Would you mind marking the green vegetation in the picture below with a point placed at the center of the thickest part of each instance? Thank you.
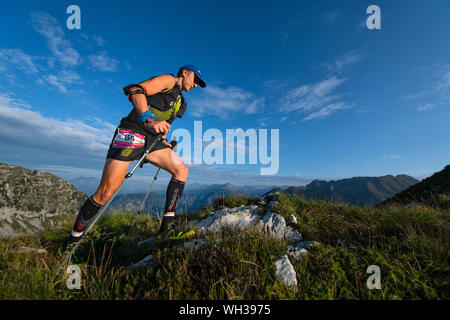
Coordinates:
(433, 191)
(410, 245)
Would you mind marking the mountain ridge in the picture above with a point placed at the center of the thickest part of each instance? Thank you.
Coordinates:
(29, 198)
(434, 190)
(360, 191)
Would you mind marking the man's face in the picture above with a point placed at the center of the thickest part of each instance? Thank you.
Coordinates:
(189, 80)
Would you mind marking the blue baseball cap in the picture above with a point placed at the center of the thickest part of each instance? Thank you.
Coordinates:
(196, 70)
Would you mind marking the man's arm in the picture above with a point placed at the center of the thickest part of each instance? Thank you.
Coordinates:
(153, 86)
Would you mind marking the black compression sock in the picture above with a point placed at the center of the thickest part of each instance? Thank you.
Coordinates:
(87, 211)
(173, 194)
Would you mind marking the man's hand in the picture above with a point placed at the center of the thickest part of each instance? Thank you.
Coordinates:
(164, 140)
(158, 127)
(167, 144)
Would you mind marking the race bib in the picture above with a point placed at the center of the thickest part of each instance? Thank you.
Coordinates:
(127, 139)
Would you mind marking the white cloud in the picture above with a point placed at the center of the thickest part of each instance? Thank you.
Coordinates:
(24, 128)
(103, 62)
(321, 99)
(62, 81)
(391, 157)
(61, 47)
(317, 100)
(325, 111)
(443, 82)
(438, 87)
(340, 63)
(225, 103)
(11, 100)
(426, 107)
(98, 40)
(18, 59)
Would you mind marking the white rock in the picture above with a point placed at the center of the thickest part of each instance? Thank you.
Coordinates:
(275, 225)
(143, 263)
(195, 244)
(149, 240)
(285, 271)
(294, 219)
(299, 249)
(247, 217)
(242, 218)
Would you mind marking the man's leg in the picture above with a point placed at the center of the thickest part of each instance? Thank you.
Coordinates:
(168, 160)
(113, 174)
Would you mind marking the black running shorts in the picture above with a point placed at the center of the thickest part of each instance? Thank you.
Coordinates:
(127, 145)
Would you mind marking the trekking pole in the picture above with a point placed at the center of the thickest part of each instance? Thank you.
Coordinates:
(102, 210)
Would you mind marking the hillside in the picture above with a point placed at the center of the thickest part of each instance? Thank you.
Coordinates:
(244, 248)
(29, 198)
(432, 191)
(359, 191)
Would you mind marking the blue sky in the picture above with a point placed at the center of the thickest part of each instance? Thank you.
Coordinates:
(347, 101)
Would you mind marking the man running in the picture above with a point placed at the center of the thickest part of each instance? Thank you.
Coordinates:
(153, 102)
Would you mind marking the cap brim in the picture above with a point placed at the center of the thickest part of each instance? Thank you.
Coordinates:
(200, 81)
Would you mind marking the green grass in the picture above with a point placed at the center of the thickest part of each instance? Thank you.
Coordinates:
(410, 245)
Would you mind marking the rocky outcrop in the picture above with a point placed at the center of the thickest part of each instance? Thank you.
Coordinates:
(29, 199)
(146, 262)
(249, 217)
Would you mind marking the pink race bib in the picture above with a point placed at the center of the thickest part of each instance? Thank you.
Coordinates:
(127, 139)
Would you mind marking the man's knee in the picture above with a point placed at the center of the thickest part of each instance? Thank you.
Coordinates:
(103, 195)
(181, 172)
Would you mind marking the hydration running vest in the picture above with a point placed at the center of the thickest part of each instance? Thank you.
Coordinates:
(160, 104)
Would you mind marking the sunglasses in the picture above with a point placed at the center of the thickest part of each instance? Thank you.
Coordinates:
(196, 79)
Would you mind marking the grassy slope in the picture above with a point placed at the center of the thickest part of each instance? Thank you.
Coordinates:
(410, 245)
(433, 191)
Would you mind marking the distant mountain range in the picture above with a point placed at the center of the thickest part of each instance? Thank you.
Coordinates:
(432, 191)
(358, 191)
(89, 185)
(29, 198)
(194, 198)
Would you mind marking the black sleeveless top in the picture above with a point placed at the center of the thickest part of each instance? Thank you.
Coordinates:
(160, 104)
